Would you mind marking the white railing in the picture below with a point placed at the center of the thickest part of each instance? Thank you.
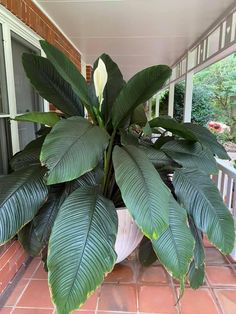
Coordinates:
(226, 183)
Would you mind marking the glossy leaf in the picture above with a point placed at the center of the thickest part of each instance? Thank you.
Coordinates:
(81, 247)
(191, 155)
(29, 240)
(175, 246)
(139, 116)
(173, 126)
(50, 85)
(46, 216)
(142, 189)
(72, 148)
(157, 157)
(206, 138)
(202, 199)
(140, 88)
(146, 254)
(47, 118)
(21, 195)
(68, 71)
(28, 156)
(196, 275)
(197, 266)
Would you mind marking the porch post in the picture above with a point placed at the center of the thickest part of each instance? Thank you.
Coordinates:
(188, 96)
(149, 112)
(157, 108)
(171, 99)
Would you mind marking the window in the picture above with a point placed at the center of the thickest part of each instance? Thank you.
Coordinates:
(27, 99)
(5, 138)
(17, 96)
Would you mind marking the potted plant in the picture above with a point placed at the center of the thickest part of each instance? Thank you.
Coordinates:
(65, 186)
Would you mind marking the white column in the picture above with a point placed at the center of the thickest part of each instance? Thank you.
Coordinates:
(157, 109)
(149, 111)
(171, 100)
(10, 87)
(188, 96)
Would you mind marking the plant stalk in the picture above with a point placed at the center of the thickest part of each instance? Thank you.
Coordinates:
(107, 160)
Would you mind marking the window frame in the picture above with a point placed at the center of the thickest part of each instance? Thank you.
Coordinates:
(11, 24)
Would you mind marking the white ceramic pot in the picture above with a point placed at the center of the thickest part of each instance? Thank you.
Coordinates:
(128, 235)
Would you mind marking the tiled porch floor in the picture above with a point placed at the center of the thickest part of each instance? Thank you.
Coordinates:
(131, 288)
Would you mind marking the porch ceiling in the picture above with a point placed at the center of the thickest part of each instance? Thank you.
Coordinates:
(135, 33)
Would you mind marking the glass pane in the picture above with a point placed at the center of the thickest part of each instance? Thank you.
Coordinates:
(3, 85)
(27, 99)
(5, 145)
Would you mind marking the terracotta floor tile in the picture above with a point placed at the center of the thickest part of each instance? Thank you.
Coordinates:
(82, 312)
(198, 302)
(91, 303)
(32, 311)
(40, 273)
(220, 275)
(156, 300)
(36, 295)
(154, 274)
(16, 292)
(121, 273)
(213, 257)
(206, 242)
(118, 298)
(5, 310)
(31, 268)
(227, 299)
(100, 312)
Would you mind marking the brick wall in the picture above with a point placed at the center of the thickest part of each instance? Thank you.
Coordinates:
(12, 255)
(89, 71)
(31, 15)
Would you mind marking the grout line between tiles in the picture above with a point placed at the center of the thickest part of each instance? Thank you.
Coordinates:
(29, 279)
(174, 290)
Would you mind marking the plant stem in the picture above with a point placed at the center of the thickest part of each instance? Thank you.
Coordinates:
(107, 161)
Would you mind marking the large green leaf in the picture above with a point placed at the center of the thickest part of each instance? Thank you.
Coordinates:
(113, 86)
(175, 246)
(21, 195)
(197, 266)
(202, 199)
(140, 88)
(146, 254)
(68, 71)
(46, 216)
(35, 235)
(208, 139)
(29, 240)
(191, 155)
(196, 275)
(47, 118)
(72, 148)
(91, 178)
(157, 157)
(28, 156)
(81, 247)
(139, 116)
(142, 189)
(50, 85)
(173, 126)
